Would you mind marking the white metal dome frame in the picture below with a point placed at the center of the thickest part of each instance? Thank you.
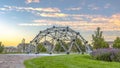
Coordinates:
(59, 35)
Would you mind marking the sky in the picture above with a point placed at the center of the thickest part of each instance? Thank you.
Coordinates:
(25, 18)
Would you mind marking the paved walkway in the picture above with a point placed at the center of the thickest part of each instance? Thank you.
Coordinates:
(16, 60)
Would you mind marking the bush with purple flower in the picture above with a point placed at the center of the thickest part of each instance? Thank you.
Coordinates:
(109, 54)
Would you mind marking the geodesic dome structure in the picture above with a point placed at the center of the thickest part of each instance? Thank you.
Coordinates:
(60, 35)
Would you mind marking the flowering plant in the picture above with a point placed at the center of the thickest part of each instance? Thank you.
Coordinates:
(109, 54)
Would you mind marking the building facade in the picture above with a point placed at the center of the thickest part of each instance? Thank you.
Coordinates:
(10, 49)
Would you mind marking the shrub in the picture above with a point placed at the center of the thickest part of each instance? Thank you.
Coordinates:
(116, 43)
(106, 54)
(41, 48)
(1, 47)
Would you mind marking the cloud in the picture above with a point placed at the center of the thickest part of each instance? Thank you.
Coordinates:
(78, 25)
(74, 9)
(34, 24)
(6, 8)
(32, 1)
(2, 9)
(100, 20)
(52, 15)
(77, 21)
(43, 12)
(49, 9)
(93, 7)
(111, 23)
(109, 37)
(115, 19)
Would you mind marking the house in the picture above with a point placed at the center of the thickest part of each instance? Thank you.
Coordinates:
(10, 49)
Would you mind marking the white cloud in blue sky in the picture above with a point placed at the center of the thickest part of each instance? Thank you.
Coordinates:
(32, 1)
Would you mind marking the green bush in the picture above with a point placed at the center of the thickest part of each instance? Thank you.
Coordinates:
(41, 48)
(81, 45)
(116, 43)
(1, 47)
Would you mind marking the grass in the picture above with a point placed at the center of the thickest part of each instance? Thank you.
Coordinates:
(69, 61)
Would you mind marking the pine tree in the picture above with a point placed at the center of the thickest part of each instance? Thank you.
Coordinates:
(98, 40)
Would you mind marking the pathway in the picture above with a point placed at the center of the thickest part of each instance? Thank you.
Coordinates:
(16, 60)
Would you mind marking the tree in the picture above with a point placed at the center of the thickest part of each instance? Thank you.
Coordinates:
(41, 48)
(79, 42)
(58, 48)
(1, 47)
(98, 40)
(116, 43)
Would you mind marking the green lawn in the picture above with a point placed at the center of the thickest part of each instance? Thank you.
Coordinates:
(69, 61)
